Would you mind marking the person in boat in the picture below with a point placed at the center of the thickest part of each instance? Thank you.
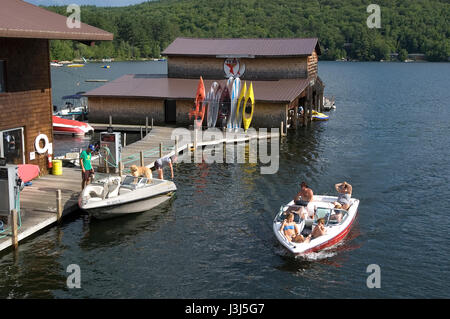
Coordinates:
(164, 161)
(345, 193)
(320, 229)
(290, 230)
(87, 171)
(305, 196)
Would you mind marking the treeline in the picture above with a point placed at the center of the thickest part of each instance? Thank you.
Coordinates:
(145, 30)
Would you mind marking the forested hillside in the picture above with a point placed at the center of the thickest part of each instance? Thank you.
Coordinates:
(144, 30)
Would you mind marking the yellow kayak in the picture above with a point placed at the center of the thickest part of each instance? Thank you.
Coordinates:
(248, 96)
(239, 110)
(316, 116)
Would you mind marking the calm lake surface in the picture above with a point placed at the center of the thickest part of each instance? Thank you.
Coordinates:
(389, 137)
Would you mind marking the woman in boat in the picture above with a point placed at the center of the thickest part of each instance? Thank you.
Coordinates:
(319, 230)
(345, 193)
(290, 230)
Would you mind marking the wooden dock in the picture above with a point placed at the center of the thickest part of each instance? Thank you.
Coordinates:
(38, 202)
(161, 142)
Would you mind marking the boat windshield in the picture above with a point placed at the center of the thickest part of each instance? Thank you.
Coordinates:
(134, 182)
(322, 213)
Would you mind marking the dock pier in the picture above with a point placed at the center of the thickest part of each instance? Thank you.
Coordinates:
(52, 197)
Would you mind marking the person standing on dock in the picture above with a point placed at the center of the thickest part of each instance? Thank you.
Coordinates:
(87, 171)
(164, 161)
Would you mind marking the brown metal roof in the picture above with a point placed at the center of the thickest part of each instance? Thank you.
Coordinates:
(145, 86)
(19, 19)
(243, 47)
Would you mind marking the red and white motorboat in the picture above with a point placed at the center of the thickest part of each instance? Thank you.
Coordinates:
(70, 127)
(322, 205)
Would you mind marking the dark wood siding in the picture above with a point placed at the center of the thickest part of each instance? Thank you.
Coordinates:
(27, 100)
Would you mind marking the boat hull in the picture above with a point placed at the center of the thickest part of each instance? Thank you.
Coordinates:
(130, 207)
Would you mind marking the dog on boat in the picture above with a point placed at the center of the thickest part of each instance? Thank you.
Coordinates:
(137, 171)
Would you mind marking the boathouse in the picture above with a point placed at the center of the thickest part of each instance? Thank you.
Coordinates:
(284, 73)
(25, 79)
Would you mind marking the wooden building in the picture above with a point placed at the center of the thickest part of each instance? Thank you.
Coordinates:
(25, 79)
(284, 73)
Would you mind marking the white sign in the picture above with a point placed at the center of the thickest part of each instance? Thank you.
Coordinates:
(233, 67)
(32, 156)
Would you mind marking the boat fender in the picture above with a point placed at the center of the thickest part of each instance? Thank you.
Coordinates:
(39, 149)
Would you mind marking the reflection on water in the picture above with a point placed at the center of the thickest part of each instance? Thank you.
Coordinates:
(119, 230)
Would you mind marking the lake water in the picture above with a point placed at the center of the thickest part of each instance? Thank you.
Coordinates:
(389, 137)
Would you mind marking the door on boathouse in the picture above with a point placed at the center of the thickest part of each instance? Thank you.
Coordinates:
(170, 111)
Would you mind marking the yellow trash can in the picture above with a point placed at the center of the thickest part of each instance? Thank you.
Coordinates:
(57, 167)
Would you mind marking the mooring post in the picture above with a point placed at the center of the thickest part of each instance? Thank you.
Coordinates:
(14, 235)
(110, 120)
(141, 133)
(146, 125)
(58, 206)
(125, 139)
(142, 158)
(120, 169)
(152, 124)
(160, 149)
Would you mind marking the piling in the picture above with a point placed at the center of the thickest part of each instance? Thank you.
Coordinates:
(142, 158)
(160, 150)
(146, 125)
(58, 205)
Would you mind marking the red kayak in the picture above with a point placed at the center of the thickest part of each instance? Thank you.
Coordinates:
(199, 98)
(70, 127)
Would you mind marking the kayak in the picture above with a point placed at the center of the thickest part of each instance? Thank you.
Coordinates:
(234, 98)
(240, 105)
(199, 98)
(224, 106)
(316, 116)
(247, 116)
(213, 105)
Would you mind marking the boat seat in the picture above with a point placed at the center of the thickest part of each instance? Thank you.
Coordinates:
(113, 189)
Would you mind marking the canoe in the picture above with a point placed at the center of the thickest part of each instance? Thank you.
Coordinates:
(240, 105)
(316, 116)
(246, 116)
(336, 230)
(235, 90)
(199, 98)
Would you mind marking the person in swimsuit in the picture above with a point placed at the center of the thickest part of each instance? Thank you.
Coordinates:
(164, 161)
(345, 193)
(319, 230)
(304, 196)
(290, 230)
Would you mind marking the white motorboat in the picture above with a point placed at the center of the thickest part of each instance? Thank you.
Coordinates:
(328, 104)
(111, 197)
(337, 227)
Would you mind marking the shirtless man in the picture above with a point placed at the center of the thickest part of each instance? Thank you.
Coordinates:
(304, 196)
